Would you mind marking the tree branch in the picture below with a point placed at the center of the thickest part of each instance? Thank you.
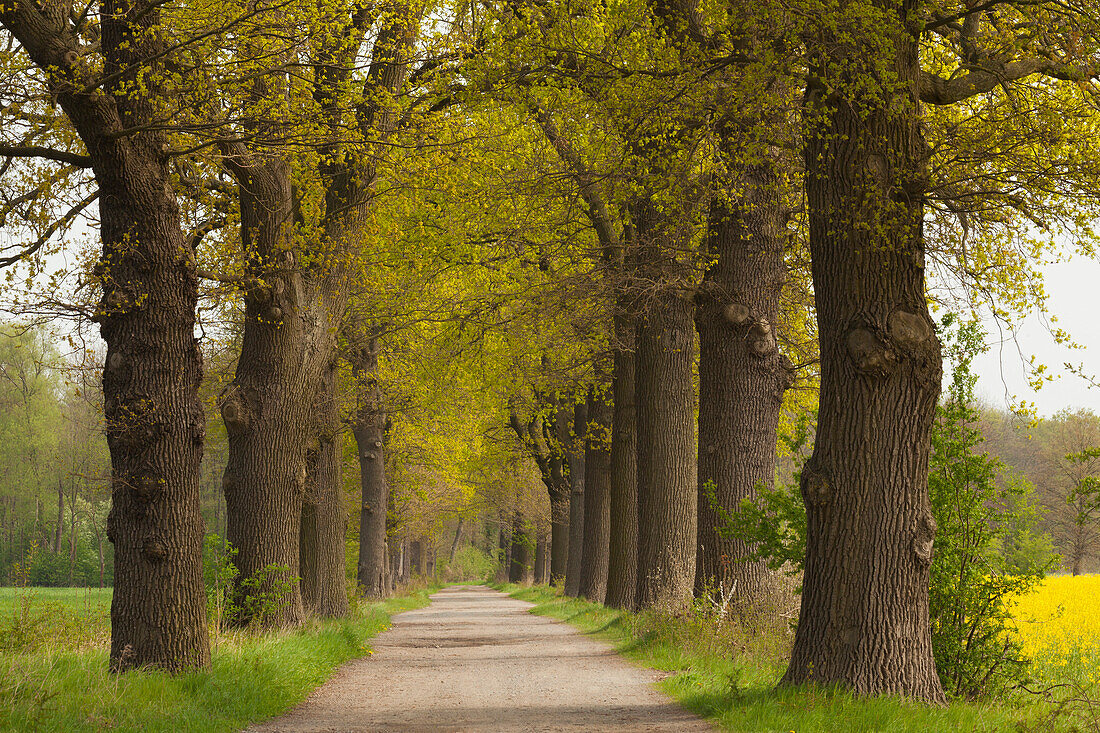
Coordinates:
(37, 151)
(939, 91)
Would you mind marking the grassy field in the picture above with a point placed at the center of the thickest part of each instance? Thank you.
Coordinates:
(728, 674)
(53, 668)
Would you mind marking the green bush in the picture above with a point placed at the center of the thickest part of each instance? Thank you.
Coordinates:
(470, 564)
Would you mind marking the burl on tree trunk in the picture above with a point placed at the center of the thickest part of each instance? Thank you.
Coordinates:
(864, 622)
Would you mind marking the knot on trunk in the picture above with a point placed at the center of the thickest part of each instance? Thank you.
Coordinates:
(816, 487)
(117, 301)
(116, 371)
(132, 424)
(737, 313)
(923, 539)
(675, 339)
(228, 482)
(878, 170)
(154, 549)
(784, 377)
(869, 354)
(235, 413)
(911, 331)
(761, 341)
(257, 291)
(198, 426)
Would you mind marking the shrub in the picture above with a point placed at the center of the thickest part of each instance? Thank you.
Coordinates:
(469, 564)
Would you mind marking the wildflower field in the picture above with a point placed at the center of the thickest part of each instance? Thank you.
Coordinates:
(1062, 617)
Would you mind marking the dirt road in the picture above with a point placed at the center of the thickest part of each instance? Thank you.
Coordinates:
(475, 660)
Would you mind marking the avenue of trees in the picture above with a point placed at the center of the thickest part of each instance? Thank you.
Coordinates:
(547, 277)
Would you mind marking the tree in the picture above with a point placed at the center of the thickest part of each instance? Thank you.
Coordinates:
(973, 583)
(369, 431)
(300, 290)
(864, 621)
(106, 78)
(1084, 501)
(597, 496)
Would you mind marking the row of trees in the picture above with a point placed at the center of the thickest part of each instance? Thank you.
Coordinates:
(530, 211)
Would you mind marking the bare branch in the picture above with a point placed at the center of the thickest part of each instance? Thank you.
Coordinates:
(37, 151)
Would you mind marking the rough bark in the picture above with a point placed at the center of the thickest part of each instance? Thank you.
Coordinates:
(864, 622)
(597, 495)
(622, 573)
(369, 431)
(665, 404)
(154, 420)
(324, 521)
(742, 375)
(575, 458)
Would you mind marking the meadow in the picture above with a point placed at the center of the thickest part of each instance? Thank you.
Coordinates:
(53, 667)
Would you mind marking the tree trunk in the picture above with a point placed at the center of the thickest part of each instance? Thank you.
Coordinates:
(665, 401)
(60, 519)
(542, 569)
(455, 541)
(864, 622)
(519, 569)
(416, 552)
(742, 375)
(154, 420)
(269, 405)
(575, 457)
(72, 537)
(622, 573)
(324, 521)
(369, 433)
(597, 495)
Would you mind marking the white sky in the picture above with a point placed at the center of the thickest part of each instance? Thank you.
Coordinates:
(1074, 299)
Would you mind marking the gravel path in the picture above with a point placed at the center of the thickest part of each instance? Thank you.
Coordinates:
(475, 660)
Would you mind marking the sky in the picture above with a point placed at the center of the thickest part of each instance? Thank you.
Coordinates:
(1074, 299)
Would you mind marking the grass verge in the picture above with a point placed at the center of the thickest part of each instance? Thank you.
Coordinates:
(252, 678)
(728, 675)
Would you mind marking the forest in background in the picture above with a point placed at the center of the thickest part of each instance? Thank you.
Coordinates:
(54, 485)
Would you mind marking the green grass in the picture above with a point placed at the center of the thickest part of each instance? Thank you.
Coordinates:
(66, 687)
(729, 677)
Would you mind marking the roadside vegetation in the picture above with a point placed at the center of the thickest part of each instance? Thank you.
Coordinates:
(727, 668)
(54, 675)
